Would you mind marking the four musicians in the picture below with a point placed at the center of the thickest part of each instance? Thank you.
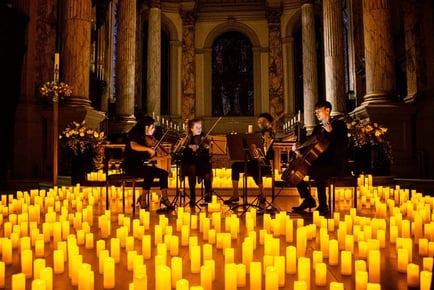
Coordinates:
(142, 147)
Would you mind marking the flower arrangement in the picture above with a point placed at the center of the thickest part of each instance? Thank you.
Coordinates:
(79, 138)
(55, 90)
(364, 132)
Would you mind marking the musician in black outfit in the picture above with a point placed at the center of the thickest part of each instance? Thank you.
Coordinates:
(196, 161)
(141, 147)
(330, 163)
(259, 165)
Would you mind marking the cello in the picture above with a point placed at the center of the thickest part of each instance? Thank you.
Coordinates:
(306, 154)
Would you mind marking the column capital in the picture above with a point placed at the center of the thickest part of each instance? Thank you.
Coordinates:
(188, 16)
(154, 4)
(273, 15)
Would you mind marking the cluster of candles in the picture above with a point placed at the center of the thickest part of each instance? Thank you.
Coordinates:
(222, 179)
(290, 124)
(62, 218)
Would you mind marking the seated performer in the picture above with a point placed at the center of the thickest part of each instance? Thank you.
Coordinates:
(141, 147)
(330, 163)
(259, 165)
(196, 161)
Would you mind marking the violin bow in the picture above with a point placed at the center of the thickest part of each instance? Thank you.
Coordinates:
(161, 139)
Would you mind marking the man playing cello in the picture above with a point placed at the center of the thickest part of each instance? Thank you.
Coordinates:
(331, 162)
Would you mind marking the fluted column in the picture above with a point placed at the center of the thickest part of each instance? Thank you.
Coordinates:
(276, 64)
(310, 71)
(414, 44)
(154, 59)
(75, 55)
(125, 60)
(379, 55)
(188, 66)
(334, 55)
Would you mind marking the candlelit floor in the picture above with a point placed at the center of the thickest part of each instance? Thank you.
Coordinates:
(284, 200)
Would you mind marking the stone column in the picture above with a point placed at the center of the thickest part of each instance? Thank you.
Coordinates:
(154, 59)
(276, 65)
(188, 65)
(125, 60)
(334, 55)
(75, 54)
(414, 44)
(379, 55)
(310, 71)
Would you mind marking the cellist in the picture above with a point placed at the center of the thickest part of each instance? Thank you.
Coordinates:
(331, 162)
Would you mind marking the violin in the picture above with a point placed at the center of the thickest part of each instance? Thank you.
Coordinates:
(151, 141)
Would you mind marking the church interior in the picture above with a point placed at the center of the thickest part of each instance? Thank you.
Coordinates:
(77, 76)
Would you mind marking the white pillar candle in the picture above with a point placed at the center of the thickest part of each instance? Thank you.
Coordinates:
(321, 274)
(413, 275)
(46, 274)
(109, 273)
(256, 275)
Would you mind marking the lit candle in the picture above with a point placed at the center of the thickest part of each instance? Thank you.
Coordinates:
(205, 277)
(182, 284)
(301, 241)
(195, 259)
(18, 281)
(146, 246)
(304, 270)
(46, 274)
(413, 275)
(425, 280)
(26, 263)
(163, 279)
(230, 276)
(279, 264)
(109, 273)
(374, 263)
(291, 260)
(115, 248)
(241, 275)
(176, 266)
(38, 264)
(7, 251)
(38, 284)
(58, 261)
(2, 274)
(361, 280)
(321, 274)
(140, 279)
(346, 263)
(256, 274)
(271, 278)
(56, 67)
(85, 276)
(402, 260)
(333, 252)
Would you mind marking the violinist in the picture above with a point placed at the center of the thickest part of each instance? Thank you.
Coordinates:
(258, 166)
(196, 161)
(141, 147)
(330, 163)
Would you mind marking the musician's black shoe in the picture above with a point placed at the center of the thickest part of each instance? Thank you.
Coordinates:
(232, 200)
(323, 210)
(308, 203)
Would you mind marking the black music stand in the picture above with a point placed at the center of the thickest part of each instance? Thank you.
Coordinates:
(240, 149)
